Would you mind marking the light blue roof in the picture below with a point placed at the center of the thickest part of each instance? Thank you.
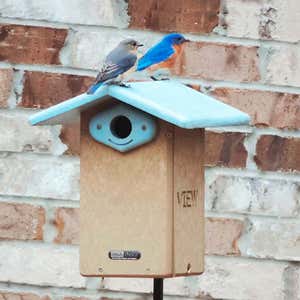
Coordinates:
(168, 100)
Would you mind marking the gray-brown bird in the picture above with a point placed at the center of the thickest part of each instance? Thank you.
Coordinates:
(117, 62)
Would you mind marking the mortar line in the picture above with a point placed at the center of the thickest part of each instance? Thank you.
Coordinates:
(242, 216)
(61, 69)
(211, 84)
(242, 173)
(63, 291)
(39, 201)
(41, 156)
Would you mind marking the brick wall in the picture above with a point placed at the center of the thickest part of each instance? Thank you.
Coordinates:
(245, 53)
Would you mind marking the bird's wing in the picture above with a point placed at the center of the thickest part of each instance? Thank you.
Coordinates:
(116, 65)
(158, 53)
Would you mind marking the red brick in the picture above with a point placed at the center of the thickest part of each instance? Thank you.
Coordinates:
(70, 135)
(278, 153)
(6, 82)
(214, 61)
(30, 44)
(221, 236)
(21, 296)
(21, 221)
(199, 16)
(225, 149)
(46, 89)
(279, 110)
(67, 224)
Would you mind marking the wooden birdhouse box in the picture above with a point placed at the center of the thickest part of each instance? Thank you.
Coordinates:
(142, 176)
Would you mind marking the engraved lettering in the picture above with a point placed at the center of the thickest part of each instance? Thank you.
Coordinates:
(187, 198)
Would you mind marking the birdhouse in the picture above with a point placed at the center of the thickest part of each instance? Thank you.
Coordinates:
(142, 176)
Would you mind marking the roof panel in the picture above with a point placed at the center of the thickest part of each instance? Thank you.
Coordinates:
(68, 111)
(168, 100)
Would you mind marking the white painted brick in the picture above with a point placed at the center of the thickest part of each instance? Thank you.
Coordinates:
(253, 195)
(271, 238)
(88, 48)
(173, 286)
(242, 18)
(236, 278)
(224, 278)
(271, 19)
(295, 283)
(92, 12)
(40, 264)
(138, 285)
(283, 65)
(17, 135)
(39, 176)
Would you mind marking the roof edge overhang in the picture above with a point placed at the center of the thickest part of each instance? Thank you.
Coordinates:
(168, 100)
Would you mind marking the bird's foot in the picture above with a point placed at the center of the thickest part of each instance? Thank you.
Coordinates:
(119, 83)
(159, 79)
(154, 78)
(123, 84)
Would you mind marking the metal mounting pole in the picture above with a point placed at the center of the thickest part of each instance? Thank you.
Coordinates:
(158, 289)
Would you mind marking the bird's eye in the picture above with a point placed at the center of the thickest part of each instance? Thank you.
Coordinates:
(134, 44)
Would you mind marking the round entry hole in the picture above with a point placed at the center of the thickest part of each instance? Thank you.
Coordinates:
(120, 127)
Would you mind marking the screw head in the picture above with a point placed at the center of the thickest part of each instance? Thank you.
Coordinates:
(169, 134)
(188, 268)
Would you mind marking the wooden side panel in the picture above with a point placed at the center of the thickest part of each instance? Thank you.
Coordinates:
(188, 201)
(126, 204)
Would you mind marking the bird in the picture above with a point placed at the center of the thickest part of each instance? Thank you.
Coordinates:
(118, 61)
(163, 55)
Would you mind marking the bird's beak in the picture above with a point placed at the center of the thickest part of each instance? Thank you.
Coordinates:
(139, 45)
(186, 41)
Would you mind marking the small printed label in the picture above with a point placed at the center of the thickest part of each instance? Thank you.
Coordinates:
(187, 198)
(124, 255)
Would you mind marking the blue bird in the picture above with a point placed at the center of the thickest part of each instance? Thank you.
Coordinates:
(163, 55)
(117, 62)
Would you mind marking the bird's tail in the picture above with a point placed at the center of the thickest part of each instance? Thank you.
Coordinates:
(92, 89)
